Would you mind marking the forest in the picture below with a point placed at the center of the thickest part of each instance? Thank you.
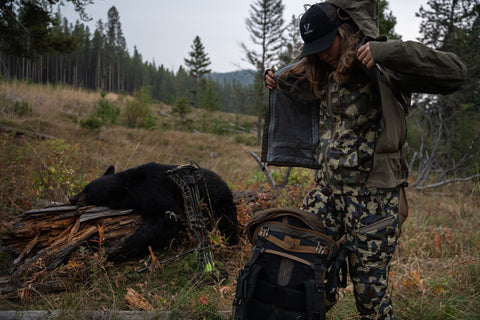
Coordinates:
(99, 60)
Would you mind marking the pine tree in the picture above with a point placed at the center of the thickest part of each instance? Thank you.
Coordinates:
(443, 18)
(199, 60)
(208, 97)
(197, 66)
(387, 21)
(116, 47)
(98, 47)
(27, 27)
(265, 25)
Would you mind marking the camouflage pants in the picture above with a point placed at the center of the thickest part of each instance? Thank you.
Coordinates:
(370, 221)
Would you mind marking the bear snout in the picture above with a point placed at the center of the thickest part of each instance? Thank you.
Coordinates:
(78, 199)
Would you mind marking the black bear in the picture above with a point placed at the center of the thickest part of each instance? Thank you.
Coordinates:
(150, 191)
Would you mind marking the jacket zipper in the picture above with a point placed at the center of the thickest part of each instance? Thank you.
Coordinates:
(379, 225)
(332, 124)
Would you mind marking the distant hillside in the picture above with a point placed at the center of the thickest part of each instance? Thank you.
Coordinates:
(244, 77)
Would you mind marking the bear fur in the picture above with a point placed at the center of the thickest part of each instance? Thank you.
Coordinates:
(149, 191)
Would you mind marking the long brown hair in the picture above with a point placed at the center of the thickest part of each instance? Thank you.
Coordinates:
(315, 72)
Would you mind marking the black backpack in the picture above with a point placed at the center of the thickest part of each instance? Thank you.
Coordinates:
(294, 269)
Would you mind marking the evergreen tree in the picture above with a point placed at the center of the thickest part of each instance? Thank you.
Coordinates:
(387, 21)
(27, 27)
(116, 46)
(197, 65)
(199, 60)
(181, 107)
(265, 25)
(208, 97)
(98, 47)
(443, 18)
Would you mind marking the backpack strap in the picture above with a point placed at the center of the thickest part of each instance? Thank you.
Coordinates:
(315, 290)
(246, 282)
(338, 266)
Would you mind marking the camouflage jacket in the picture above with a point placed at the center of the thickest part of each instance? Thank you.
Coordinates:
(293, 130)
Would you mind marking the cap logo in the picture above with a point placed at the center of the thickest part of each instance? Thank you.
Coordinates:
(306, 28)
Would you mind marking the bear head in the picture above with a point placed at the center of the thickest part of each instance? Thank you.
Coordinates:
(106, 190)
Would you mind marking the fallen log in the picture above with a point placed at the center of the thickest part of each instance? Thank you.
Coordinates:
(44, 239)
(21, 132)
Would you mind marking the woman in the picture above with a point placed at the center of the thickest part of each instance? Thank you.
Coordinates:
(341, 108)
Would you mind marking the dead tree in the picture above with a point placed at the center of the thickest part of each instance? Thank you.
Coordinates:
(428, 158)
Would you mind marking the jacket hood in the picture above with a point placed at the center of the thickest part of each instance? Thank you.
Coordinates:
(363, 12)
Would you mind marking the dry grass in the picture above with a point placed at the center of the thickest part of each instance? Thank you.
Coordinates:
(435, 273)
(55, 112)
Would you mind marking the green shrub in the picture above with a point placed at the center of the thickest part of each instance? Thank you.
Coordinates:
(149, 122)
(92, 122)
(21, 108)
(137, 111)
(181, 107)
(106, 111)
(56, 180)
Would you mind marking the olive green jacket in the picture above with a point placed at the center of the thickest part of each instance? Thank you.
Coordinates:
(404, 68)
(291, 132)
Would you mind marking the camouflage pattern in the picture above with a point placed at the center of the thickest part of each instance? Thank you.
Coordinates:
(349, 127)
(349, 122)
(370, 222)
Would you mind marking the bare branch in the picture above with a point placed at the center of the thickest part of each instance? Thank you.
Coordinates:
(441, 183)
(268, 175)
(423, 175)
(263, 168)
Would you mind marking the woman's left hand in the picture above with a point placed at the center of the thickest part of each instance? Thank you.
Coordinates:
(364, 55)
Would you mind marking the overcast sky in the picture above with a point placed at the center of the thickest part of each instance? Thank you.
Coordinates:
(163, 30)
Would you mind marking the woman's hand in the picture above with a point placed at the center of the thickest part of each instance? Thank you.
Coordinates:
(269, 80)
(364, 55)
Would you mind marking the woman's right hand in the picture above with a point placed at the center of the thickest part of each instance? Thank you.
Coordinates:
(269, 79)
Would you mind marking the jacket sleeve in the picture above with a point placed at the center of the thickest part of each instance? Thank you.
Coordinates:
(415, 67)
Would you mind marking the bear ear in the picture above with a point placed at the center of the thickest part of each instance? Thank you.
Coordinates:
(110, 170)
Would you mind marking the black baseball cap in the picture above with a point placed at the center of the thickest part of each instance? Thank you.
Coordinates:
(318, 28)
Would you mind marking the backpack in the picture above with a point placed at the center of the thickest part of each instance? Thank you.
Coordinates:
(294, 270)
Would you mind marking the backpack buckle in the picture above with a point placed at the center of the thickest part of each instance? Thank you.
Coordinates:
(319, 287)
(237, 301)
(264, 232)
(259, 250)
(321, 249)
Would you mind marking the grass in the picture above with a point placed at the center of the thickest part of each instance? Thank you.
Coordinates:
(435, 273)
